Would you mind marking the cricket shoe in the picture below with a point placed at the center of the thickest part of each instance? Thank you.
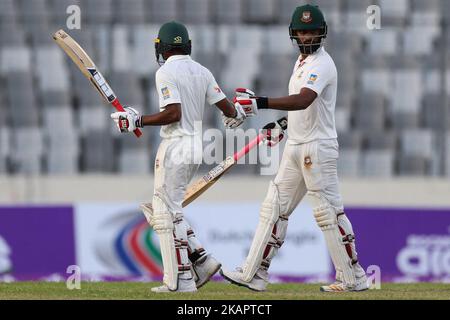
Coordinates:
(183, 286)
(258, 283)
(338, 286)
(204, 268)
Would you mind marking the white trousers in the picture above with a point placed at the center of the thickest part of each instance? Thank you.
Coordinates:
(176, 163)
(308, 167)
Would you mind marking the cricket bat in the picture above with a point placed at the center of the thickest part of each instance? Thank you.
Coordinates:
(196, 189)
(88, 68)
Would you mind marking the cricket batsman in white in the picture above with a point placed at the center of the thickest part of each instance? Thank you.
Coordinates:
(183, 86)
(308, 166)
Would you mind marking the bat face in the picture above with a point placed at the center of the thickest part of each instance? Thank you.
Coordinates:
(102, 86)
(85, 64)
(218, 170)
(203, 184)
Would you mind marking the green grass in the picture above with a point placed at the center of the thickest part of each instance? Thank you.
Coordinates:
(215, 291)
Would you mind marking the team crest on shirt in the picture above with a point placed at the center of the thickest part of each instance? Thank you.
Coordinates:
(312, 78)
(306, 17)
(165, 93)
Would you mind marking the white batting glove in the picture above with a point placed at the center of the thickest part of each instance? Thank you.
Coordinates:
(247, 100)
(231, 123)
(128, 120)
(235, 122)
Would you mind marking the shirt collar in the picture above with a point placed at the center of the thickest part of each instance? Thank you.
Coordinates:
(310, 58)
(178, 57)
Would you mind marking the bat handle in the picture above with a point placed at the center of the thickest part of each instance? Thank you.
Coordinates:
(248, 147)
(116, 103)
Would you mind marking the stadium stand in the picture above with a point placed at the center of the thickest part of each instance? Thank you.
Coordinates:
(392, 111)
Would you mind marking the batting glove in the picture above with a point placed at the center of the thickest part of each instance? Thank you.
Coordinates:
(274, 131)
(231, 123)
(128, 120)
(235, 122)
(249, 102)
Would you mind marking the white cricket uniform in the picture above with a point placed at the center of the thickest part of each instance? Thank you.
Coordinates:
(309, 165)
(184, 81)
(310, 157)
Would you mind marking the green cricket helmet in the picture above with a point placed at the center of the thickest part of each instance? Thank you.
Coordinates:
(306, 18)
(172, 35)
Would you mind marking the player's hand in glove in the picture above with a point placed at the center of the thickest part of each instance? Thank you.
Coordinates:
(274, 131)
(128, 120)
(249, 102)
(235, 122)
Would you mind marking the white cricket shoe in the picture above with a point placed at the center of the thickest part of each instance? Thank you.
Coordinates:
(183, 286)
(338, 286)
(258, 283)
(204, 268)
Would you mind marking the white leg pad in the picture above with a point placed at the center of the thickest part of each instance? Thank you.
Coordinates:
(326, 218)
(269, 214)
(162, 222)
(147, 209)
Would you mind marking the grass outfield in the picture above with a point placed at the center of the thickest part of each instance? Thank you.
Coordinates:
(215, 291)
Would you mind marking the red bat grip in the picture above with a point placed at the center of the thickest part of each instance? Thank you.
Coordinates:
(116, 103)
(248, 147)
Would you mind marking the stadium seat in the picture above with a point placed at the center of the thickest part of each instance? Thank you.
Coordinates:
(378, 163)
(97, 153)
(127, 86)
(447, 154)
(8, 38)
(375, 75)
(395, 13)
(260, 11)
(22, 100)
(134, 155)
(14, 58)
(228, 11)
(5, 148)
(417, 143)
(343, 118)
(349, 161)
(121, 56)
(285, 10)
(355, 16)
(142, 50)
(27, 150)
(276, 70)
(370, 112)
(195, 11)
(433, 112)
(98, 12)
(162, 11)
(33, 13)
(129, 12)
(51, 69)
(383, 42)
(8, 12)
(412, 166)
